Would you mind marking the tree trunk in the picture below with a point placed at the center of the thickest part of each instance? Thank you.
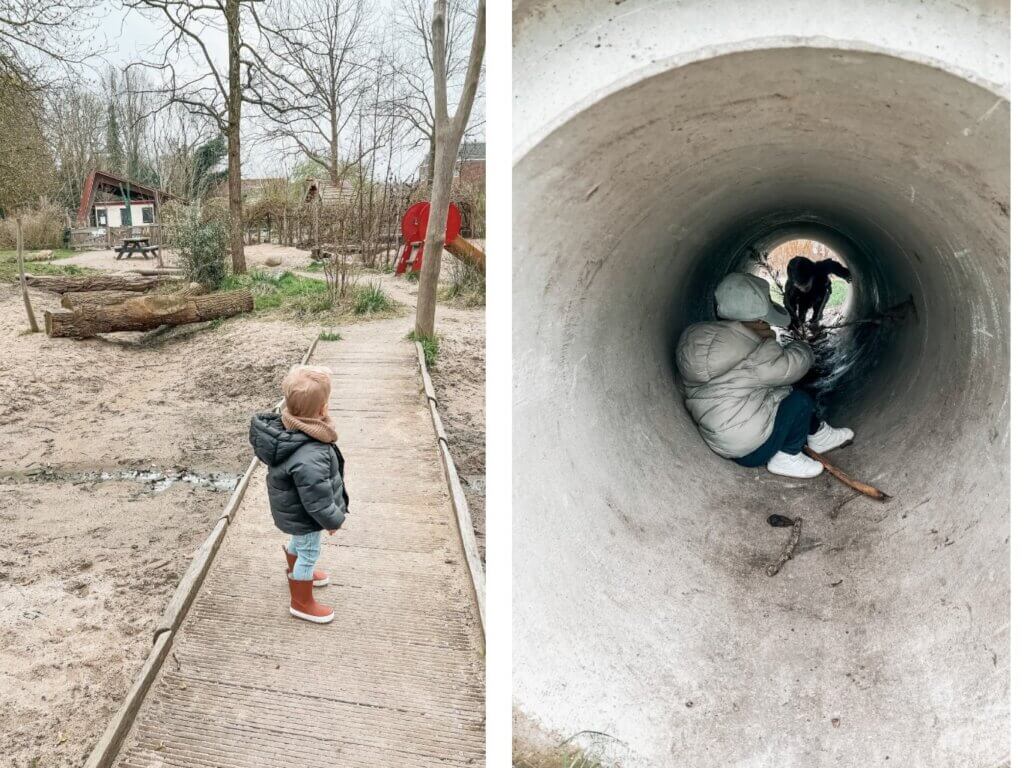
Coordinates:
(432, 156)
(147, 312)
(234, 138)
(32, 324)
(447, 136)
(426, 295)
(60, 284)
(77, 299)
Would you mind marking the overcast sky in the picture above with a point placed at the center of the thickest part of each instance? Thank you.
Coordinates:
(125, 35)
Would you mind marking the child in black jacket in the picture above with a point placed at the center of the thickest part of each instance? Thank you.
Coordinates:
(305, 480)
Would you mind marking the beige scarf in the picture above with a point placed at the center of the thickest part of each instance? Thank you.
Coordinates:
(321, 429)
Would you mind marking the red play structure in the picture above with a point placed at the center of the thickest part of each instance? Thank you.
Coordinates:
(414, 232)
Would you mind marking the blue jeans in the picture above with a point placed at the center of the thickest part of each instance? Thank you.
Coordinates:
(307, 547)
(794, 421)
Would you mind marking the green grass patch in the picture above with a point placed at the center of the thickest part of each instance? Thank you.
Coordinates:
(308, 298)
(468, 288)
(302, 296)
(326, 335)
(371, 299)
(840, 290)
(9, 268)
(58, 253)
(431, 346)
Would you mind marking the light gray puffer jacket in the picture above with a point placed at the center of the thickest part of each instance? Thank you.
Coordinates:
(733, 382)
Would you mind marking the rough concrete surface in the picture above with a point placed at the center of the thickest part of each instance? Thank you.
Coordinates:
(656, 143)
(397, 678)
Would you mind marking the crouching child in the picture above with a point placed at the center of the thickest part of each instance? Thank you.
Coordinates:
(305, 480)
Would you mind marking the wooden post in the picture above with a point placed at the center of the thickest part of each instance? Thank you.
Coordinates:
(159, 232)
(316, 227)
(24, 287)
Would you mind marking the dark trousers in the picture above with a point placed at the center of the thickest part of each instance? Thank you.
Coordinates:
(794, 421)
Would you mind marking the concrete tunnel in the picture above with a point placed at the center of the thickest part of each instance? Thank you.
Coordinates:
(655, 143)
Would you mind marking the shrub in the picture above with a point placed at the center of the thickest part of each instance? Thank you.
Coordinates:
(370, 299)
(41, 227)
(201, 238)
(431, 346)
(468, 286)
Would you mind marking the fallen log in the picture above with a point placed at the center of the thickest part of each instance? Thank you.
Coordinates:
(76, 299)
(114, 282)
(146, 312)
(154, 271)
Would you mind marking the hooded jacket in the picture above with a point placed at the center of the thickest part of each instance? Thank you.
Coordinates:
(305, 477)
(733, 382)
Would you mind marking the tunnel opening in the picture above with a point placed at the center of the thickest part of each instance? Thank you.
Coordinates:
(773, 266)
(638, 532)
(842, 341)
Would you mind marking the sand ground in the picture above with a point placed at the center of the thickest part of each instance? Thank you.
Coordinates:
(87, 564)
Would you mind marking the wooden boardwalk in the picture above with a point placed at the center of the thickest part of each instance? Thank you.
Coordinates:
(397, 678)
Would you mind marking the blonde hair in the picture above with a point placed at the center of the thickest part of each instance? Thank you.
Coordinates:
(306, 388)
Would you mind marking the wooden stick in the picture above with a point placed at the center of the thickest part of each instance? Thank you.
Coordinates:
(24, 288)
(157, 271)
(845, 479)
(787, 553)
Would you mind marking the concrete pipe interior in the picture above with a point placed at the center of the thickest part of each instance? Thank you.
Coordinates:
(642, 606)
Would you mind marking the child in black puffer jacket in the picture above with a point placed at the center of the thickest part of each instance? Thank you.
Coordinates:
(305, 480)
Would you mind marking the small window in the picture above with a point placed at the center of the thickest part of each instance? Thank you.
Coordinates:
(101, 217)
(126, 217)
(147, 215)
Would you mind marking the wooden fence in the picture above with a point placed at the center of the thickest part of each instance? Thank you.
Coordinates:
(99, 238)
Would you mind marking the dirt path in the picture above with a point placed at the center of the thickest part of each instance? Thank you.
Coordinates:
(397, 678)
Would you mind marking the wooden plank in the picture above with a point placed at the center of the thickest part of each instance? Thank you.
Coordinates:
(105, 751)
(460, 507)
(405, 684)
(106, 748)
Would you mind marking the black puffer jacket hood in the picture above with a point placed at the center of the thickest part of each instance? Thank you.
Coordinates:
(272, 441)
(305, 477)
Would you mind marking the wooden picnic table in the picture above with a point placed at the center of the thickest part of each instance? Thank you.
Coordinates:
(137, 244)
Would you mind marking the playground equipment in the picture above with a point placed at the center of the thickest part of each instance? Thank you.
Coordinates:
(414, 232)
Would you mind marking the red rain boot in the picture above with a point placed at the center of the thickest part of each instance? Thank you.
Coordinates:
(305, 606)
(320, 578)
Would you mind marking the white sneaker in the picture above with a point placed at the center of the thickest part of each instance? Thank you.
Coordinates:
(829, 438)
(798, 465)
